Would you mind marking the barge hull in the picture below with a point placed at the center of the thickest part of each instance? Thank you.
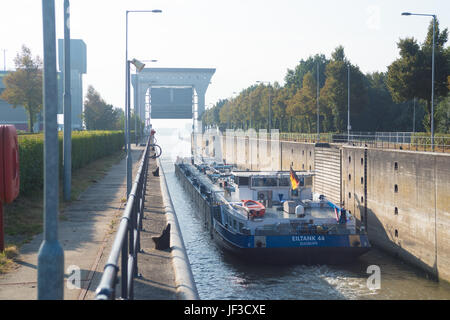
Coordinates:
(294, 255)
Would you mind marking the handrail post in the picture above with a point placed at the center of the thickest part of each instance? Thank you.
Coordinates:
(135, 244)
(124, 272)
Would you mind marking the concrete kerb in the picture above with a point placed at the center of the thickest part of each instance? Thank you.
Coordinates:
(184, 279)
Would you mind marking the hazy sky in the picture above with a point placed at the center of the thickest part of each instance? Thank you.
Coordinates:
(245, 40)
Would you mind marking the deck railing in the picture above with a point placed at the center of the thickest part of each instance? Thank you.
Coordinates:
(127, 241)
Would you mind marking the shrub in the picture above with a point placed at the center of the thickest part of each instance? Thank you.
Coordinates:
(87, 146)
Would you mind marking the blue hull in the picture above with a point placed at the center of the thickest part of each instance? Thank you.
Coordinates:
(304, 249)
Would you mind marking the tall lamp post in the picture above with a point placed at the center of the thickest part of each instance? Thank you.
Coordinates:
(349, 127)
(136, 140)
(139, 66)
(127, 98)
(67, 145)
(432, 71)
(318, 116)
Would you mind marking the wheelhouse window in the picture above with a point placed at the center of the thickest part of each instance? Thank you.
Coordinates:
(241, 181)
(285, 182)
(264, 182)
(308, 181)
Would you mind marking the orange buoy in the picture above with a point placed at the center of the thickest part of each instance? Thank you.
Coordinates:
(255, 208)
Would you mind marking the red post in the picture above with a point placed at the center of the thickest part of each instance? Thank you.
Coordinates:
(9, 171)
(2, 235)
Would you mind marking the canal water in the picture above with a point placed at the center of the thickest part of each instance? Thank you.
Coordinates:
(221, 276)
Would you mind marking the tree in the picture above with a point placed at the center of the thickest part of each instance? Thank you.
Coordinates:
(410, 75)
(98, 115)
(443, 116)
(265, 99)
(294, 78)
(24, 86)
(279, 105)
(383, 114)
(334, 94)
(211, 117)
(303, 104)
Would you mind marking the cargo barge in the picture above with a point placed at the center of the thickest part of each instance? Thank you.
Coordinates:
(260, 216)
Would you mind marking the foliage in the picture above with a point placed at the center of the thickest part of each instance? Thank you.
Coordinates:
(24, 86)
(410, 75)
(98, 115)
(302, 105)
(379, 101)
(87, 146)
(335, 91)
(294, 78)
(443, 116)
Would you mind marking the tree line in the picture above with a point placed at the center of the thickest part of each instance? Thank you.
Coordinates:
(396, 100)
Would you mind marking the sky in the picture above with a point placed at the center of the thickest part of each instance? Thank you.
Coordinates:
(244, 40)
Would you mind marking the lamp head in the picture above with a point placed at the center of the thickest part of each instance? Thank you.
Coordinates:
(406, 13)
(139, 65)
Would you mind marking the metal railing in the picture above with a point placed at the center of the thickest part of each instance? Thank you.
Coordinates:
(382, 140)
(127, 241)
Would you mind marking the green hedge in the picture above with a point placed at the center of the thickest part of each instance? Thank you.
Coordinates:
(87, 146)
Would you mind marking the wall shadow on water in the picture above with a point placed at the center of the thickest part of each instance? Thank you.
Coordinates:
(285, 281)
(380, 238)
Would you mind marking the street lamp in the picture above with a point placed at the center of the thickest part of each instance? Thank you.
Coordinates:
(135, 111)
(349, 127)
(127, 98)
(139, 66)
(318, 116)
(269, 126)
(67, 107)
(432, 71)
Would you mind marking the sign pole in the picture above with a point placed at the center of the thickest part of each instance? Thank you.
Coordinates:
(50, 280)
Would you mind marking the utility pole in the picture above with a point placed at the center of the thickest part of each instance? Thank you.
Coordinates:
(432, 86)
(67, 143)
(432, 70)
(318, 117)
(50, 280)
(349, 127)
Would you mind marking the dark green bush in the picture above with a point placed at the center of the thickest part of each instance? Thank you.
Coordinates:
(87, 146)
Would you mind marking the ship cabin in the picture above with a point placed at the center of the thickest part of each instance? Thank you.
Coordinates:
(283, 210)
(270, 188)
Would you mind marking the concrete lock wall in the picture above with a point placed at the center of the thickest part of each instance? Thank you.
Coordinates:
(408, 206)
(402, 197)
(298, 155)
(353, 181)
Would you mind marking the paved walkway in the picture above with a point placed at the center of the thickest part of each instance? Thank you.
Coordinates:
(86, 237)
(155, 266)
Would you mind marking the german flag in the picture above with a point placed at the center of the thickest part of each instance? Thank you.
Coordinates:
(294, 179)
